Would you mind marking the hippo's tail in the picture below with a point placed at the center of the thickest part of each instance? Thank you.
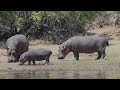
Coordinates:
(50, 52)
(107, 43)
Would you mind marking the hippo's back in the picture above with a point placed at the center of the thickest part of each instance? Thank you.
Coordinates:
(38, 54)
(20, 42)
(86, 39)
(18, 37)
(39, 51)
(87, 44)
(78, 38)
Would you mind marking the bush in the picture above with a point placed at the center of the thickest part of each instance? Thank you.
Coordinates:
(52, 26)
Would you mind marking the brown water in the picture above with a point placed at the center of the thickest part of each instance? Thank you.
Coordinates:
(46, 74)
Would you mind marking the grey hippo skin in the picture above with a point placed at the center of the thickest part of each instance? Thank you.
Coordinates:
(83, 44)
(35, 55)
(16, 45)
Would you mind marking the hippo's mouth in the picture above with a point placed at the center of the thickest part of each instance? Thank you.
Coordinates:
(23, 61)
(61, 57)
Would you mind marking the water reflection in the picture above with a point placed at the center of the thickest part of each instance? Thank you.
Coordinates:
(101, 74)
(46, 74)
(76, 75)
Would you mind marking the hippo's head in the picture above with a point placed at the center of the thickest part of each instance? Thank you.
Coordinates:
(11, 55)
(63, 51)
(22, 59)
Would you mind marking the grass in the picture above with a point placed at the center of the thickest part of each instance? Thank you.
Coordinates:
(112, 56)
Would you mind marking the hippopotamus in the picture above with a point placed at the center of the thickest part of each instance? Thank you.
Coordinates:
(16, 45)
(83, 44)
(35, 55)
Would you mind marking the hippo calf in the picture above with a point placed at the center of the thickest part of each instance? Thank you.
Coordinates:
(16, 45)
(35, 55)
(83, 44)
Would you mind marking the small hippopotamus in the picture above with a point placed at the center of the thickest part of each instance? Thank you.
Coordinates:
(15, 46)
(83, 44)
(35, 55)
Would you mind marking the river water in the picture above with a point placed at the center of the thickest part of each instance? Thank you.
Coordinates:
(47, 74)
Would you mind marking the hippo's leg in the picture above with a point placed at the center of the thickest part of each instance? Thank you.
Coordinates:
(10, 61)
(33, 62)
(17, 59)
(103, 54)
(99, 56)
(47, 60)
(29, 62)
(76, 55)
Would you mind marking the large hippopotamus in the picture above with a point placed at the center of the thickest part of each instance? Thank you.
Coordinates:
(16, 45)
(35, 55)
(83, 44)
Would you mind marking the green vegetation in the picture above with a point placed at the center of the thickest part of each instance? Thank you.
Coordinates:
(52, 26)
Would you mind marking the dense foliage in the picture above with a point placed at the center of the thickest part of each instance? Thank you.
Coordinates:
(53, 26)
